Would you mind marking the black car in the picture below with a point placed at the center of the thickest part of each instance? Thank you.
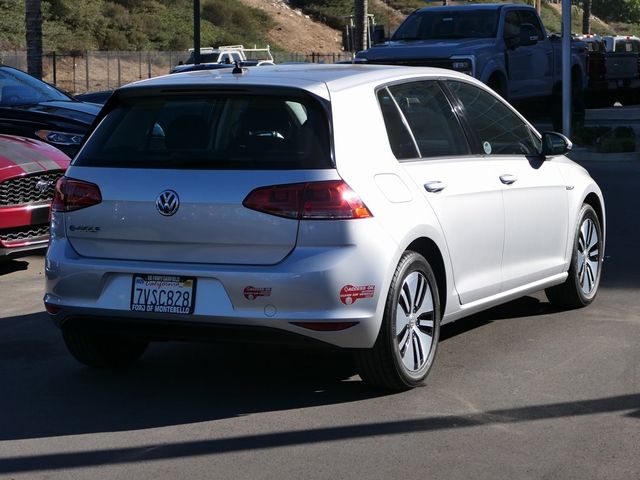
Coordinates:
(99, 97)
(32, 108)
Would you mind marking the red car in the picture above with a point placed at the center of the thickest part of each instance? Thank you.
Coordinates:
(29, 170)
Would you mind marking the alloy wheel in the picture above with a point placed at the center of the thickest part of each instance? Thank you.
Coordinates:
(415, 321)
(588, 256)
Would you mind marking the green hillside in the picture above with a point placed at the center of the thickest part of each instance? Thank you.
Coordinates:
(133, 24)
(78, 25)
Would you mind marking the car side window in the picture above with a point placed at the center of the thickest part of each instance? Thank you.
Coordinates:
(431, 119)
(530, 17)
(400, 139)
(511, 24)
(498, 128)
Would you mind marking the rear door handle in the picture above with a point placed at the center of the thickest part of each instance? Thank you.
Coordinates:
(508, 179)
(435, 186)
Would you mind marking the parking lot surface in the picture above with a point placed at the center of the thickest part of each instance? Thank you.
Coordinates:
(521, 391)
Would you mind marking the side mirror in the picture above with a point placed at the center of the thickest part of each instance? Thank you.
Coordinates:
(554, 143)
(528, 35)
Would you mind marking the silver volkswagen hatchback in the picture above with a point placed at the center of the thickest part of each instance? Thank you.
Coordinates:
(346, 205)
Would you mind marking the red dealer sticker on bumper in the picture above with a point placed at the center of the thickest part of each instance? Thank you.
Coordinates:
(251, 293)
(350, 293)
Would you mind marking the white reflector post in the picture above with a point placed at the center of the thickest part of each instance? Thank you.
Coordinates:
(566, 67)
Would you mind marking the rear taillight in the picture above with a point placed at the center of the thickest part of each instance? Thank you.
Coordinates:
(74, 194)
(330, 200)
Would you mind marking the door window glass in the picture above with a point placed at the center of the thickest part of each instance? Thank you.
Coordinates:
(511, 25)
(400, 140)
(499, 130)
(530, 17)
(431, 119)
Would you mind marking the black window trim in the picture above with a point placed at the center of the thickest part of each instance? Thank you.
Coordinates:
(458, 109)
(405, 122)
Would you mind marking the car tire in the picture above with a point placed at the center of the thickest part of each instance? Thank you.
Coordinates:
(99, 350)
(406, 345)
(581, 286)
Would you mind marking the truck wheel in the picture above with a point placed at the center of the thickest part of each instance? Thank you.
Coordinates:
(406, 345)
(581, 286)
(101, 350)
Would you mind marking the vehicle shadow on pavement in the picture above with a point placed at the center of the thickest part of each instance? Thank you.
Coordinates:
(10, 266)
(50, 394)
(47, 393)
(221, 445)
(519, 308)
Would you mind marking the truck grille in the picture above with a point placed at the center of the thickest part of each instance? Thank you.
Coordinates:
(29, 189)
(31, 232)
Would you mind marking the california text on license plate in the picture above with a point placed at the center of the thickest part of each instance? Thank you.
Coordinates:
(163, 293)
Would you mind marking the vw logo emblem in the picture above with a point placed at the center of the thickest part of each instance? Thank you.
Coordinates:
(168, 203)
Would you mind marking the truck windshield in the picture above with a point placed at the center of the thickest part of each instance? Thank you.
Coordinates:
(426, 25)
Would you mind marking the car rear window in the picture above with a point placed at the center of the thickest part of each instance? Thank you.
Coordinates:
(211, 131)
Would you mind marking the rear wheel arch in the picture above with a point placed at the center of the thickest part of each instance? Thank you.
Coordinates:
(432, 254)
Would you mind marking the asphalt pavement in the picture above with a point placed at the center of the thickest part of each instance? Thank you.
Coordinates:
(522, 391)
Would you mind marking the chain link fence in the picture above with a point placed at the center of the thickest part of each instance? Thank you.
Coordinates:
(83, 72)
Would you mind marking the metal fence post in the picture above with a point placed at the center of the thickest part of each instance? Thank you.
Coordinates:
(149, 64)
(73, 60)
(108, 72)
(140, 65)
(55, 69)
(119, 72)
(86, 70)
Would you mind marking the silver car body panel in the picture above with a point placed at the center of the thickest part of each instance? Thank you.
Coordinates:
(305, 266)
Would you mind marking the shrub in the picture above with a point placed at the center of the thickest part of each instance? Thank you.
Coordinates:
(588, 136)
(618, 140)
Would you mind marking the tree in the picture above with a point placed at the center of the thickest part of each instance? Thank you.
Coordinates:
(33, 19)
(627, 11)
(586, 16)
(361, 26)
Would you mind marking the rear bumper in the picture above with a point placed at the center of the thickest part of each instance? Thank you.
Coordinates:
(149, 329)
(19, 251)
(307, 287)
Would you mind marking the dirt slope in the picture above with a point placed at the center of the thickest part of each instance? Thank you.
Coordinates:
(295, 31)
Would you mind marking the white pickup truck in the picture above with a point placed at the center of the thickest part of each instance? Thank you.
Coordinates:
(226, 55)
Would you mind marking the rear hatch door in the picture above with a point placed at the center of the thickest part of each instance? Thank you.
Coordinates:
(173, 172)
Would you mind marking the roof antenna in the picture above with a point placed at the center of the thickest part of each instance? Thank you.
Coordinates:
(237, 69)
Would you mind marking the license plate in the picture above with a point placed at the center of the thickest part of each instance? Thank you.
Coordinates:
(163, 294)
